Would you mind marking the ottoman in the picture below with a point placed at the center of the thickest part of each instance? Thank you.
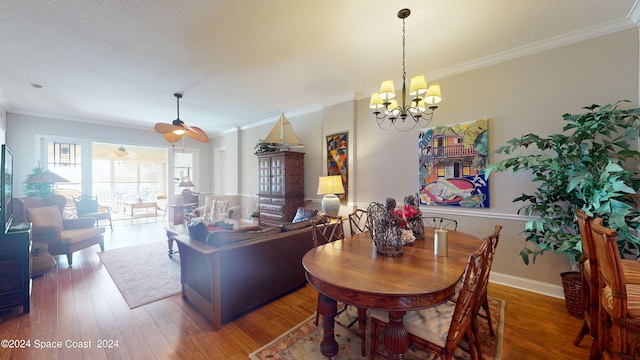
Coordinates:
(41, 260)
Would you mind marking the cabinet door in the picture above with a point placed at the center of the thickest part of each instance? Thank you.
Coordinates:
(264, 175)
(278, 175)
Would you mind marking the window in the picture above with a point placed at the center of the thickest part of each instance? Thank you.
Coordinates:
(122, 174)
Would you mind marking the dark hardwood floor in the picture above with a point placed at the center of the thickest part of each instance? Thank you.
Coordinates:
(81, 304)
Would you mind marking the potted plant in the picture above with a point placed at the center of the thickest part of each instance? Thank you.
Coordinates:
(587, 166)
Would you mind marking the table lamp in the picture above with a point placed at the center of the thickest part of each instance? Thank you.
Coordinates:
(329, 186)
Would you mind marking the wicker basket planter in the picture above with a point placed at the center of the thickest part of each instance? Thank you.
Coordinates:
(572, 286)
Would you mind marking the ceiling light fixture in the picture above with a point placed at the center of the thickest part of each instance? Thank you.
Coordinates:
(121, 151)
(419, 110)
(177, 129)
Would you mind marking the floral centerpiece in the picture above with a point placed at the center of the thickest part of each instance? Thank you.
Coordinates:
(392, 227)
(410, 220)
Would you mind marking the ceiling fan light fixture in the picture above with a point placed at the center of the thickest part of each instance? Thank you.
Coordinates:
(177, 129)
(121, 151)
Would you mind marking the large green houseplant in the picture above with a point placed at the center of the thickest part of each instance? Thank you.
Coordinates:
(589, 166)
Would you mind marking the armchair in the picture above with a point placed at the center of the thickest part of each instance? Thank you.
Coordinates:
(87, 206)
(63, 236)
(224, 206)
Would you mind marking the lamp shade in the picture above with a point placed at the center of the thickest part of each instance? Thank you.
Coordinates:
(46, 177)
(387, 90)
(186, 182)
(418, 85)
(433, 95)
(376, 102)
(330, 185)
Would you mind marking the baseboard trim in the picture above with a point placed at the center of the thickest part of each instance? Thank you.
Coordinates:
(527, 285)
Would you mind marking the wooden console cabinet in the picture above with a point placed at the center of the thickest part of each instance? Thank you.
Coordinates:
(280, 186)
(15, 280)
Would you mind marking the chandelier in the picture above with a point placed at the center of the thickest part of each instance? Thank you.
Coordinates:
(405, 116)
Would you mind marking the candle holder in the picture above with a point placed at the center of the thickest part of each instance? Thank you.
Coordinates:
(441, 242)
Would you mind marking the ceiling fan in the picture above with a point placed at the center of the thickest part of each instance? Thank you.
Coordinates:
(177, 129)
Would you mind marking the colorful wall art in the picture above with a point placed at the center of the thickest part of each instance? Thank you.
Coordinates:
(337, 160)
(452, 161)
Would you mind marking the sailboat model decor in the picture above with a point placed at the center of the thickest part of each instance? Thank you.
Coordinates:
(282, 136)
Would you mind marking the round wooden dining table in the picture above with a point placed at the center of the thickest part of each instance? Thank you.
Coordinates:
(353, 272)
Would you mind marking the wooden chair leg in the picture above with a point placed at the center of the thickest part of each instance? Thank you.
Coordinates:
(583, 331)
(485, 306)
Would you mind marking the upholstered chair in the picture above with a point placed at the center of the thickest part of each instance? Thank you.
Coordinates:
(88, 206)
(63, 236)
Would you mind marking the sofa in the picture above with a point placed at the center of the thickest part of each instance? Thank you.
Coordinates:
(62, 236)
(218, 207)
(233, 272)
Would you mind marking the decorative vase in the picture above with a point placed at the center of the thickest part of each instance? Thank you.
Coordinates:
(417, 227)
(385, 232)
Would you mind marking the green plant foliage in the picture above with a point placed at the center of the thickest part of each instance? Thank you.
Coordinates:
(589, 166)
(262, 147)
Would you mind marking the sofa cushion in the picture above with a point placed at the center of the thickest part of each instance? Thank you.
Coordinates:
(226, 237)
(45, 216)
(75, 236)
(304, 213)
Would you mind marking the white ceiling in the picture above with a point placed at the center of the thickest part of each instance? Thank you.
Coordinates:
(240, 62)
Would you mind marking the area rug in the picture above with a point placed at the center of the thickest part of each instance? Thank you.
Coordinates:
(143, 273)
(303, 341)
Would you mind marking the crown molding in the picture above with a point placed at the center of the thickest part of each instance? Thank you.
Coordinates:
(540, 46)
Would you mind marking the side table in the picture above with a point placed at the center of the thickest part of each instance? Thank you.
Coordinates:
(178, 212)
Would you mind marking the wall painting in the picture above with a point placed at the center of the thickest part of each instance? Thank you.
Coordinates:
(337, 160)
(452, 162)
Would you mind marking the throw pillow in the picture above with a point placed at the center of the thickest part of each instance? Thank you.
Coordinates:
(290, 226)
(304, 214)
(210, 217)
(45, 216)
(222, 208)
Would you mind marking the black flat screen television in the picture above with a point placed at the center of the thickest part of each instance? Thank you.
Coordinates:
(6, 183)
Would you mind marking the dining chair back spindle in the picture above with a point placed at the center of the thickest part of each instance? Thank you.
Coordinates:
(358, 222)
(440, 222)
(329, 231)
(590, 274)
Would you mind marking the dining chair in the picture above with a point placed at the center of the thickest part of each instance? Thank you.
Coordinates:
(440, 222)
(590, 274)
(441, 328)
(590, 285)
(358, 221)
(619, 311)
(483, 299)
(325, 233)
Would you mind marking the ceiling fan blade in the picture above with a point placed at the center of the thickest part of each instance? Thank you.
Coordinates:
(171, 137)
(196, 133)
(164, 128)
